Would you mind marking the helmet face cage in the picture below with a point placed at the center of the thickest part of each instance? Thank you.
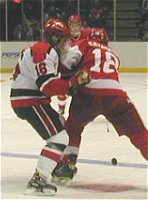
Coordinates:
(75, 24)
(75, 29)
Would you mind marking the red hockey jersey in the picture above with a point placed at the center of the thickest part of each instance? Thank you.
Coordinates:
(101, 62)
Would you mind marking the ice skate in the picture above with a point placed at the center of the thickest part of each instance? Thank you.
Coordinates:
(63, 173)
(39, 187)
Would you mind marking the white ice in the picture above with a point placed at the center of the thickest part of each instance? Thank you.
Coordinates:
(96, 177)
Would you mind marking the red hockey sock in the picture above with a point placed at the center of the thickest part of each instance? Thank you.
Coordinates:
(140, 141)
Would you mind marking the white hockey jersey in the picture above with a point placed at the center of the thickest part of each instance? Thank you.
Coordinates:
(24, 90)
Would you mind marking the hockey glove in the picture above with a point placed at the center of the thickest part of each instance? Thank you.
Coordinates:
(82, 77)
(39, 51)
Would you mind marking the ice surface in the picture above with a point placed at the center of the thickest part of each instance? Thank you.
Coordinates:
(96, 178)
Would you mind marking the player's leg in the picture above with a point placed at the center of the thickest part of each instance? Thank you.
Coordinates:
(79, 117)
(126, 121)
(49, 126)
(61, 103)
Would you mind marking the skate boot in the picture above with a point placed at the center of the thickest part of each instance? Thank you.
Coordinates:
(63, 173)
(39, 186)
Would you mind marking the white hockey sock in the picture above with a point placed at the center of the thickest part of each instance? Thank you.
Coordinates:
(51, 154)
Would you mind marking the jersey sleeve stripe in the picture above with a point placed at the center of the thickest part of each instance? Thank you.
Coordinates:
(44, 78)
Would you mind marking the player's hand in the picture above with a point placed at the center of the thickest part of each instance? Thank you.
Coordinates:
(39, 51)
(82, 77)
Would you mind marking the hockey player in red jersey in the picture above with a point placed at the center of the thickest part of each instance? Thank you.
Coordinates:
(77, 33)
(33, 84)
(102, 95)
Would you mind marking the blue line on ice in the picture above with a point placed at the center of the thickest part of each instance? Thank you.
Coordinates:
(82, 161)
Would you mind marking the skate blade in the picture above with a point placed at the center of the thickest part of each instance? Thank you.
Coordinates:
(62, 181)
(34, 192)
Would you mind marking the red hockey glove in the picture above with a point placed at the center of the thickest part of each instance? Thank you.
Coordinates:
(82, 77)
(39, 51)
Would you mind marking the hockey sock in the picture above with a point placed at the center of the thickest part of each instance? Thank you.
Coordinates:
(140, 141)
(51, 154)
(62, 101)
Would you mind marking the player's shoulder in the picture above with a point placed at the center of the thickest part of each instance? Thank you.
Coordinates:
(40, 50)
(42, 43)
(41, 46)
(86, 30)
(82, 41)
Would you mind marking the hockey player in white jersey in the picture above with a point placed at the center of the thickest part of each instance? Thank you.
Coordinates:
(33, 84)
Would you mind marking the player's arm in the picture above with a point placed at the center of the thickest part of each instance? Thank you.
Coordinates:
(48, 81)
(52, 85)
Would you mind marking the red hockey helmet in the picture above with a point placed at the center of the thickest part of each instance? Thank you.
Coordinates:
(55, 30)
(100, 34)
(74, 19)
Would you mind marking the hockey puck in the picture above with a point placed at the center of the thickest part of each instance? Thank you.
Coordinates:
(114, 161)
